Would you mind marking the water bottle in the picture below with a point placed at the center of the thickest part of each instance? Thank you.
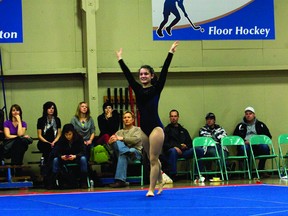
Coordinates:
(42, 161)
(2, 163)
(91, 183)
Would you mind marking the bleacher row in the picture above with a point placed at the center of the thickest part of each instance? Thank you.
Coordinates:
(31, 175)
(191, 167)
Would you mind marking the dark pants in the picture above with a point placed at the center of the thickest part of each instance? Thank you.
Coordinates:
(173, 156)
(45, 149)
(17, 148)
(58, 163)
(261, 149)
(211, 152)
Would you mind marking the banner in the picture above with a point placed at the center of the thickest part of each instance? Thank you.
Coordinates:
(213, 20)
(11, 21)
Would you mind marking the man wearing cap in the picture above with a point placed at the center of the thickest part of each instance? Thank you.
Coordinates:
(177, 144)
(216, 132)
(251, 126)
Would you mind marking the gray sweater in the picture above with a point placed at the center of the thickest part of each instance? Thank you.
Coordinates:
(132, 137)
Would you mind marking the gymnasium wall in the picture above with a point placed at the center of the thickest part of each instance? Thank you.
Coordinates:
(205, 76)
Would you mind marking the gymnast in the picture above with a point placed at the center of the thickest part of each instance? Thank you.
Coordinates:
(147, 98)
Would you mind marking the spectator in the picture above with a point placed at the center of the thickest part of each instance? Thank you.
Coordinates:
(84, 125)
(48, 129)
(16, 142)
(108, 123)
(177, 144)
(127, 143)
(216, 132)
(70, 148)
(250, 126)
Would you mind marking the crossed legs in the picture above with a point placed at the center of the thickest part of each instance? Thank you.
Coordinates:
(154, 147)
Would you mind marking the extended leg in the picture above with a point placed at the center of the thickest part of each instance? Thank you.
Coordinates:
(156, 140)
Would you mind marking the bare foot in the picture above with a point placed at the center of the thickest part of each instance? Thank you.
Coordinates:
(161, 185)
(150, 194)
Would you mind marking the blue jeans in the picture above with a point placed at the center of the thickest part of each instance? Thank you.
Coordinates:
(123, 159)
(211, 152)
(187, 154)
(82, 162)
(261, 149)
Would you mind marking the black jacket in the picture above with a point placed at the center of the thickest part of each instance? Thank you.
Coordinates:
(261, 129)
(175, 136)
(77, 147)
(108, 126)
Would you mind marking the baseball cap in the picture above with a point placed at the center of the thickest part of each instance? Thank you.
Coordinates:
(210, 116)
(251, 109)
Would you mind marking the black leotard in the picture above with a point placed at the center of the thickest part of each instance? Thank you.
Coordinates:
(147, 99)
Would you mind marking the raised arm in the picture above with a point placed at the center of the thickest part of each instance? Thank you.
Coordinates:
(132, 82)
(119, 54)
(173, 47)
(164, 71)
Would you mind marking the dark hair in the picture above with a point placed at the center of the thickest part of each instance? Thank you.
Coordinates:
(47, 106)
(69, 128)
(107, 103)
(174, 110)
(18, 108)
(152, 72)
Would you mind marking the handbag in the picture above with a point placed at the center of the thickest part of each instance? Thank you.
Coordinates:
(99, 154)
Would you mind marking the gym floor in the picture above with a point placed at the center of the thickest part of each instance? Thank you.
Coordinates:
(182, 183)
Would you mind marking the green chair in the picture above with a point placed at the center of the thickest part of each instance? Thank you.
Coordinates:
(283, 158)
(135, 178)
(263, 139)
(206, 142)
(188, 168)
(230, 142)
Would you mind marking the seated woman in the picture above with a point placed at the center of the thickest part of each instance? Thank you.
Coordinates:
(70, 148)
(48, 129)
(16, 142)
(108, 123)
(84, 125)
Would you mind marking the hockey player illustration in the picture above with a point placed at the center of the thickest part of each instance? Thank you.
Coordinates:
(171, 7)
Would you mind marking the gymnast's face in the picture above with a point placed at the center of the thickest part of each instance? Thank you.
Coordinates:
(145, 76)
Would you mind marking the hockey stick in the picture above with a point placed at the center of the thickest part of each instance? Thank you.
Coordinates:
(192, 25)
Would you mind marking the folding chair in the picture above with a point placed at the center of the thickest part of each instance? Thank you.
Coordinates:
(283, 144)
(234, 141)
(135, 178)
(188, 169)
(263, 139)
(206, 142)
(68, 166)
